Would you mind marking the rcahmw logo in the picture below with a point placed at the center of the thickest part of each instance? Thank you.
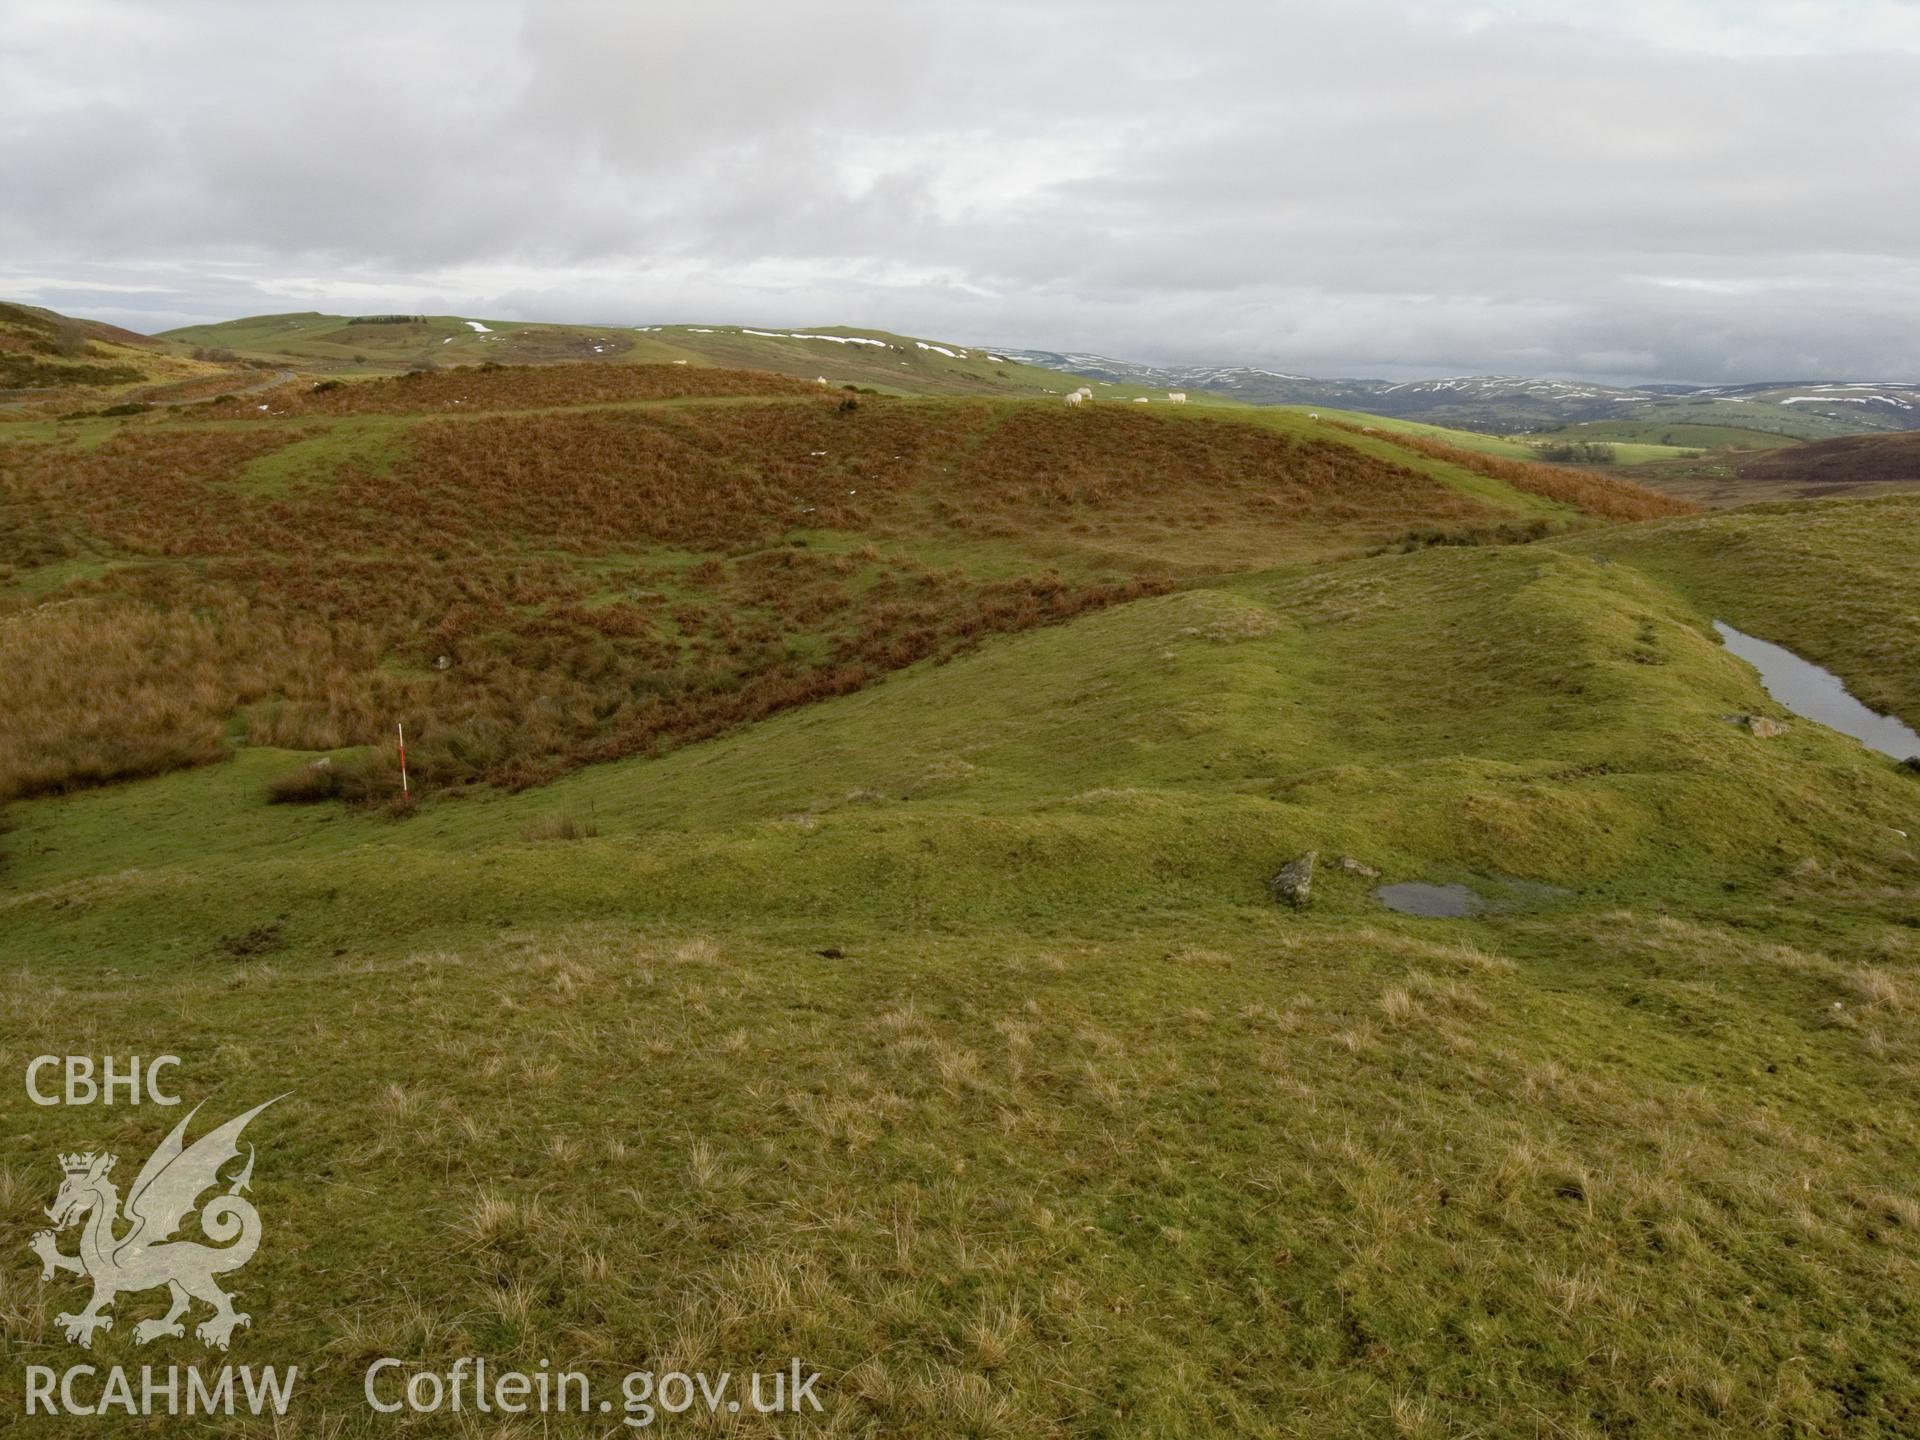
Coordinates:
(135, 1245)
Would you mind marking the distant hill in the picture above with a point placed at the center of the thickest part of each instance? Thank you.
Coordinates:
(1709, 417)
(50, 360)
(1505, 404)
(1846, 465)
(44, 350)
(875, 359)
(1849, 463)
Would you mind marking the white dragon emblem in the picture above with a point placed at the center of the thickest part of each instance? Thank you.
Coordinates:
(165, 1191)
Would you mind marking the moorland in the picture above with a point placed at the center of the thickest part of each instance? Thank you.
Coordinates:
(830, 911)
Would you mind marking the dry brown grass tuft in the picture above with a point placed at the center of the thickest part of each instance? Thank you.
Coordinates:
(305, 784)
(559, 825)
(99, 692)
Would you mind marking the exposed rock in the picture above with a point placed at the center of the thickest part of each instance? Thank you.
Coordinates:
(1358, 867)
(442, 663)
(1911, 764)
(1760, 725)
(1294, 884)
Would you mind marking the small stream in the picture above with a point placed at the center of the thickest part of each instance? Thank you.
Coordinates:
(1818, 695)
(1803, 687)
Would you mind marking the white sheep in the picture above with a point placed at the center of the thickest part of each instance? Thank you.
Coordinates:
(1177, 397)
(1141, 400)
(1075, 398)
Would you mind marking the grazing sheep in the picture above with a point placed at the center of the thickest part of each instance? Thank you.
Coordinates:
(1177, 397)
(1075, 398)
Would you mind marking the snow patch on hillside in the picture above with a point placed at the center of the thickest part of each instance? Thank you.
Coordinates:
(830, 339)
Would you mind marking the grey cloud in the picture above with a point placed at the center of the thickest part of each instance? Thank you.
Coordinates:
(1391, 187)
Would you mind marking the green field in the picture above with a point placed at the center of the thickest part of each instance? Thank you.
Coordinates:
(1794, 422)
(1621, 437)
(1680, 436)
(944, 1033)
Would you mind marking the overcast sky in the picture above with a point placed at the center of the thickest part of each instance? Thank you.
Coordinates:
(1671, 190)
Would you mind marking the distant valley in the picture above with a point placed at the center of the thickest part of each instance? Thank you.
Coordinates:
(1506, 404)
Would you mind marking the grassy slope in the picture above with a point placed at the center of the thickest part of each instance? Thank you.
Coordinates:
(1862, 464)
(1078, 1132)
(1466, 439)
(1077, 1124)
(620, 572)
(54, 359)
(1540, 662)
(1798, 422)
(1680, 435)
(1851, 465)
(1627, 450)
(1833, 580)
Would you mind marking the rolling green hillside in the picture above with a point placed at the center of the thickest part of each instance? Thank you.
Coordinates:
(544, 566)
(1762, 412)
(978, 966)
(1681, 435)
(1629, 442)
(1763, 567)
(710, 1004)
